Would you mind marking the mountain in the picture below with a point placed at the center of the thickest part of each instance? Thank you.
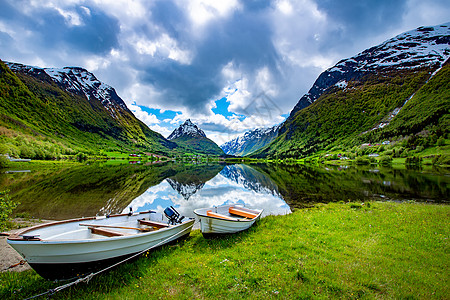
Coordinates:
(251, 141)
(425, 46)
(187, 129)
(251, 179)
(193, 139)
(185, 190)
(72, 107)
(360, 98)
(189, 179)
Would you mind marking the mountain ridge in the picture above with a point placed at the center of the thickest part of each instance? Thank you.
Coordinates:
(405, 48)
(187, 128)
(65, 107)
(250, 141)
(190, 137)
(356, 100)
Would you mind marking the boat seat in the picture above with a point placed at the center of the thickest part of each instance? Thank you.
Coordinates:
(106, 232)
(242, 213)
(210, 213)
(153, 224)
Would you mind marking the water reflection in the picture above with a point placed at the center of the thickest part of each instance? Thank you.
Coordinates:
(105, 188)
(234, 184)
(303, 185)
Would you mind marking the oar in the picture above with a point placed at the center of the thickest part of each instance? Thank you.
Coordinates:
(120, 227)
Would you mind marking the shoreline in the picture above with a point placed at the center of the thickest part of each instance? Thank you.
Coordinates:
(9, 256)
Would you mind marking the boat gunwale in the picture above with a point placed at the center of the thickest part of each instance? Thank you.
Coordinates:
(17, 238)
(201, 215)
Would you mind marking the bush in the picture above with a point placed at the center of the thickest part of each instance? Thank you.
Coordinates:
(440, 141)
(6, 208)
(413, 160)
(360, 160)
(441, 160)
(3, 161)
(385, 160)
(81, 157)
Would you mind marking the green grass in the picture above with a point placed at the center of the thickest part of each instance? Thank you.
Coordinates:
(349, 251)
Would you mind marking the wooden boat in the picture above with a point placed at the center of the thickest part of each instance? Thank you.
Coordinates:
(70, 248)
(226, 219)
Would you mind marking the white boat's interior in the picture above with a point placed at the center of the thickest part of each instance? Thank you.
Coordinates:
(96, 227)
(229, 212)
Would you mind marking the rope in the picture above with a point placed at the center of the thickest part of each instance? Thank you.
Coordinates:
(89, 277)
(22, 262)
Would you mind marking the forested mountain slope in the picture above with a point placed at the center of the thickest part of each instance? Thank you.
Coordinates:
(398, 88)
(70, 107)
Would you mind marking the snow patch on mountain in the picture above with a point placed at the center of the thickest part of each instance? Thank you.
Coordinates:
(78, 81)
(185, 189)
(424, 46)
(238, 145)
(412, 49)
(342, 84)
(187, 129)
(245, 176)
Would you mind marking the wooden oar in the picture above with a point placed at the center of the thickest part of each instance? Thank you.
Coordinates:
(120, 227)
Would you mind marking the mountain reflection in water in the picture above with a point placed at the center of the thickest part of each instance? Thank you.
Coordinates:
(233, 184)
(73, 191)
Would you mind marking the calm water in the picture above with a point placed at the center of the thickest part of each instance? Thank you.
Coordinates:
(103, 188)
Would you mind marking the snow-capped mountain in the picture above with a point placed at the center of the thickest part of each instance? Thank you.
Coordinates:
(251, 179)
(73, 103)
(185, 189)
(187, 129)
(381, 93)
(251, 141)
(78, 81)
(424, 46)
(193, 139)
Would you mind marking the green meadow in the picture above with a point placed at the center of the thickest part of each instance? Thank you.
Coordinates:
(373, 250)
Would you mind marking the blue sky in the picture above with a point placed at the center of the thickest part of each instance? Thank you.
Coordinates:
(229, 66)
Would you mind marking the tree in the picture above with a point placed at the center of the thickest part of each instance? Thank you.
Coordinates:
(6, 208)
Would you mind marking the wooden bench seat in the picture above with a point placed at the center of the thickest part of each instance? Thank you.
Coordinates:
(210, 213)
(242, 213)
(106, 232)
(153, 224)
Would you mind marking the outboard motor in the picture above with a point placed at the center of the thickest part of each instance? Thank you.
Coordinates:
(173, 216)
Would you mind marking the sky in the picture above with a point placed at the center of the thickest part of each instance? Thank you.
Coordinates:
(229, 66)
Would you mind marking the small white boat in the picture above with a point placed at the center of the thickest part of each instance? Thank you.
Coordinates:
(70, 248)
(226, 219)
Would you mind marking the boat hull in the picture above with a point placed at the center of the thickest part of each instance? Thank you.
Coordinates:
(58, 257)
(212, 226)
(58, 271)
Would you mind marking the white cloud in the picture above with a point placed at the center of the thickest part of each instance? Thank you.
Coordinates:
(144, 116)
(305, 41)
(284, 6)
(164, 47)
(203, 11)
(163, 130)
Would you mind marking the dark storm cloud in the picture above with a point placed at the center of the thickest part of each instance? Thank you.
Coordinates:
(97, 35)
(182, 55)
(170, 17)
(245, 39)
(357, 19)
(97, 32)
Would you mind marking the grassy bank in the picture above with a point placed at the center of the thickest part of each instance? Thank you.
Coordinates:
(351, 251)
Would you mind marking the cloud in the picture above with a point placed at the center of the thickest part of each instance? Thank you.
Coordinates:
(182, 56)
(145, 117)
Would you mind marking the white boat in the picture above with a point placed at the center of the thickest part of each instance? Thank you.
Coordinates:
(70, 248)
(226, 219)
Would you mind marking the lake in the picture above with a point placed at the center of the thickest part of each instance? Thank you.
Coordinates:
(61, 192)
